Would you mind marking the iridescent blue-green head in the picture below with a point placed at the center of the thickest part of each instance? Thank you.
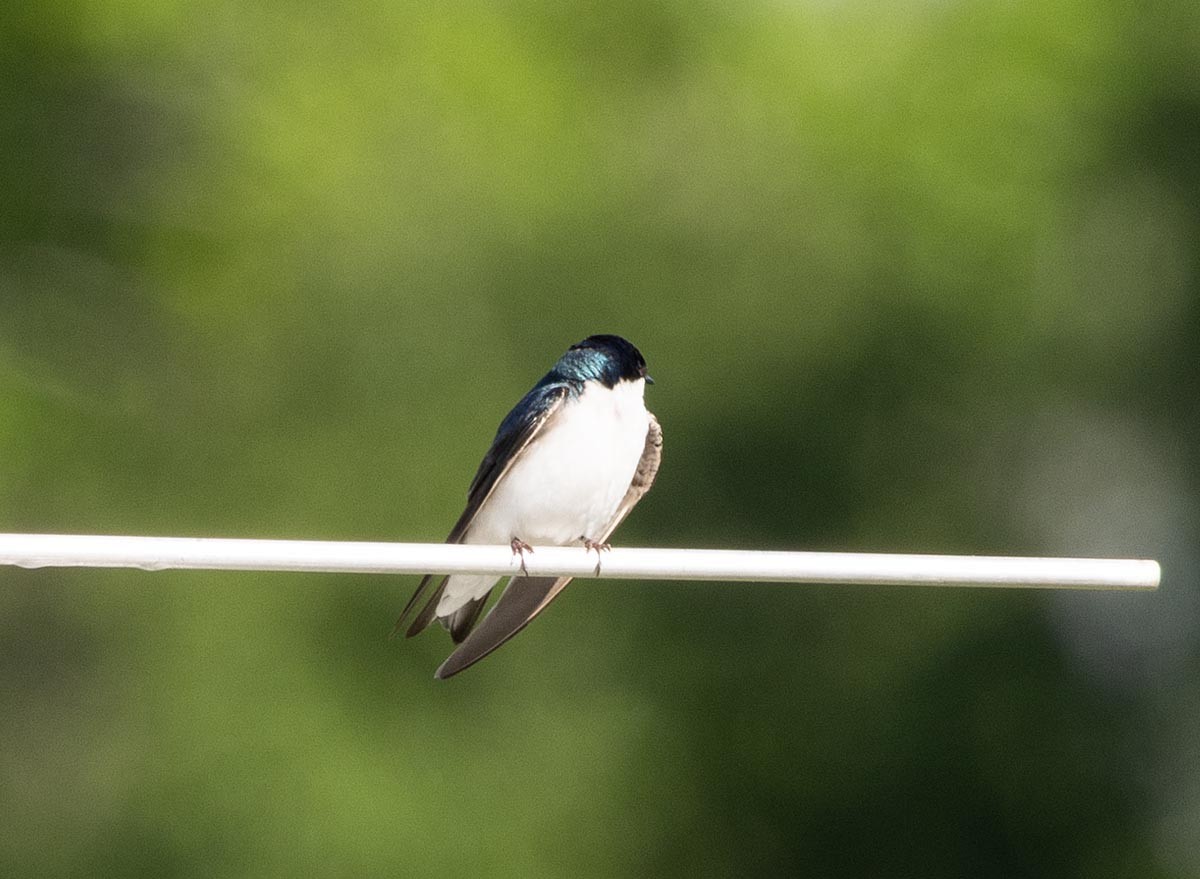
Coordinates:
(606, 359)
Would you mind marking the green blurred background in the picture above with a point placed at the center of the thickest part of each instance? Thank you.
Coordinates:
(910, 277)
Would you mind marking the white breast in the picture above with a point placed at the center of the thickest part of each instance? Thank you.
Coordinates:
(570, 480)
(567, 484)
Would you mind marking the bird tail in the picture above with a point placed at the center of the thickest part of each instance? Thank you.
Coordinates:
(458, 622)
(428, 612)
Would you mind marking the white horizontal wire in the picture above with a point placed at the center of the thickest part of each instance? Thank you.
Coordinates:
(160, 553)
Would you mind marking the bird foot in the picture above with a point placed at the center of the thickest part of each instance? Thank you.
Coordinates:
(520, 547)
(597, 547)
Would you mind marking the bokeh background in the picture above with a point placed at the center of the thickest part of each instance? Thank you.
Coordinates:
(910, 277)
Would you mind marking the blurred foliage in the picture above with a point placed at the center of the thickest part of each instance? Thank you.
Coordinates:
(916, 277)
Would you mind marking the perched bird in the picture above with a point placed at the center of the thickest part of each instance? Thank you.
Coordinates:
(568, 463)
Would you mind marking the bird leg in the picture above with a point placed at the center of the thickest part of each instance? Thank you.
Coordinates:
(596, 546)
(520, 547)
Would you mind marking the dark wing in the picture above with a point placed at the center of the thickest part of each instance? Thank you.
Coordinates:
(516, 432)
(526, 597)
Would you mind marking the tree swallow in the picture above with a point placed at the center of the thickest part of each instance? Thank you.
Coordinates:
(568, 463)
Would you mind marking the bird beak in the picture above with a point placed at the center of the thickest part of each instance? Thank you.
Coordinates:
(648, 379)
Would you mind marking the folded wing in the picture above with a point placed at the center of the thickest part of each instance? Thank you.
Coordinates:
(519, 428)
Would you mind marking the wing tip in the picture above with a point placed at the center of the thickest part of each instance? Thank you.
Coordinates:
(449, 668)
(426, 614)
(513, 611)
(461, 660)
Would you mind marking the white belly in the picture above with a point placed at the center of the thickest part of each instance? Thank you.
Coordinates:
(567, 484)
